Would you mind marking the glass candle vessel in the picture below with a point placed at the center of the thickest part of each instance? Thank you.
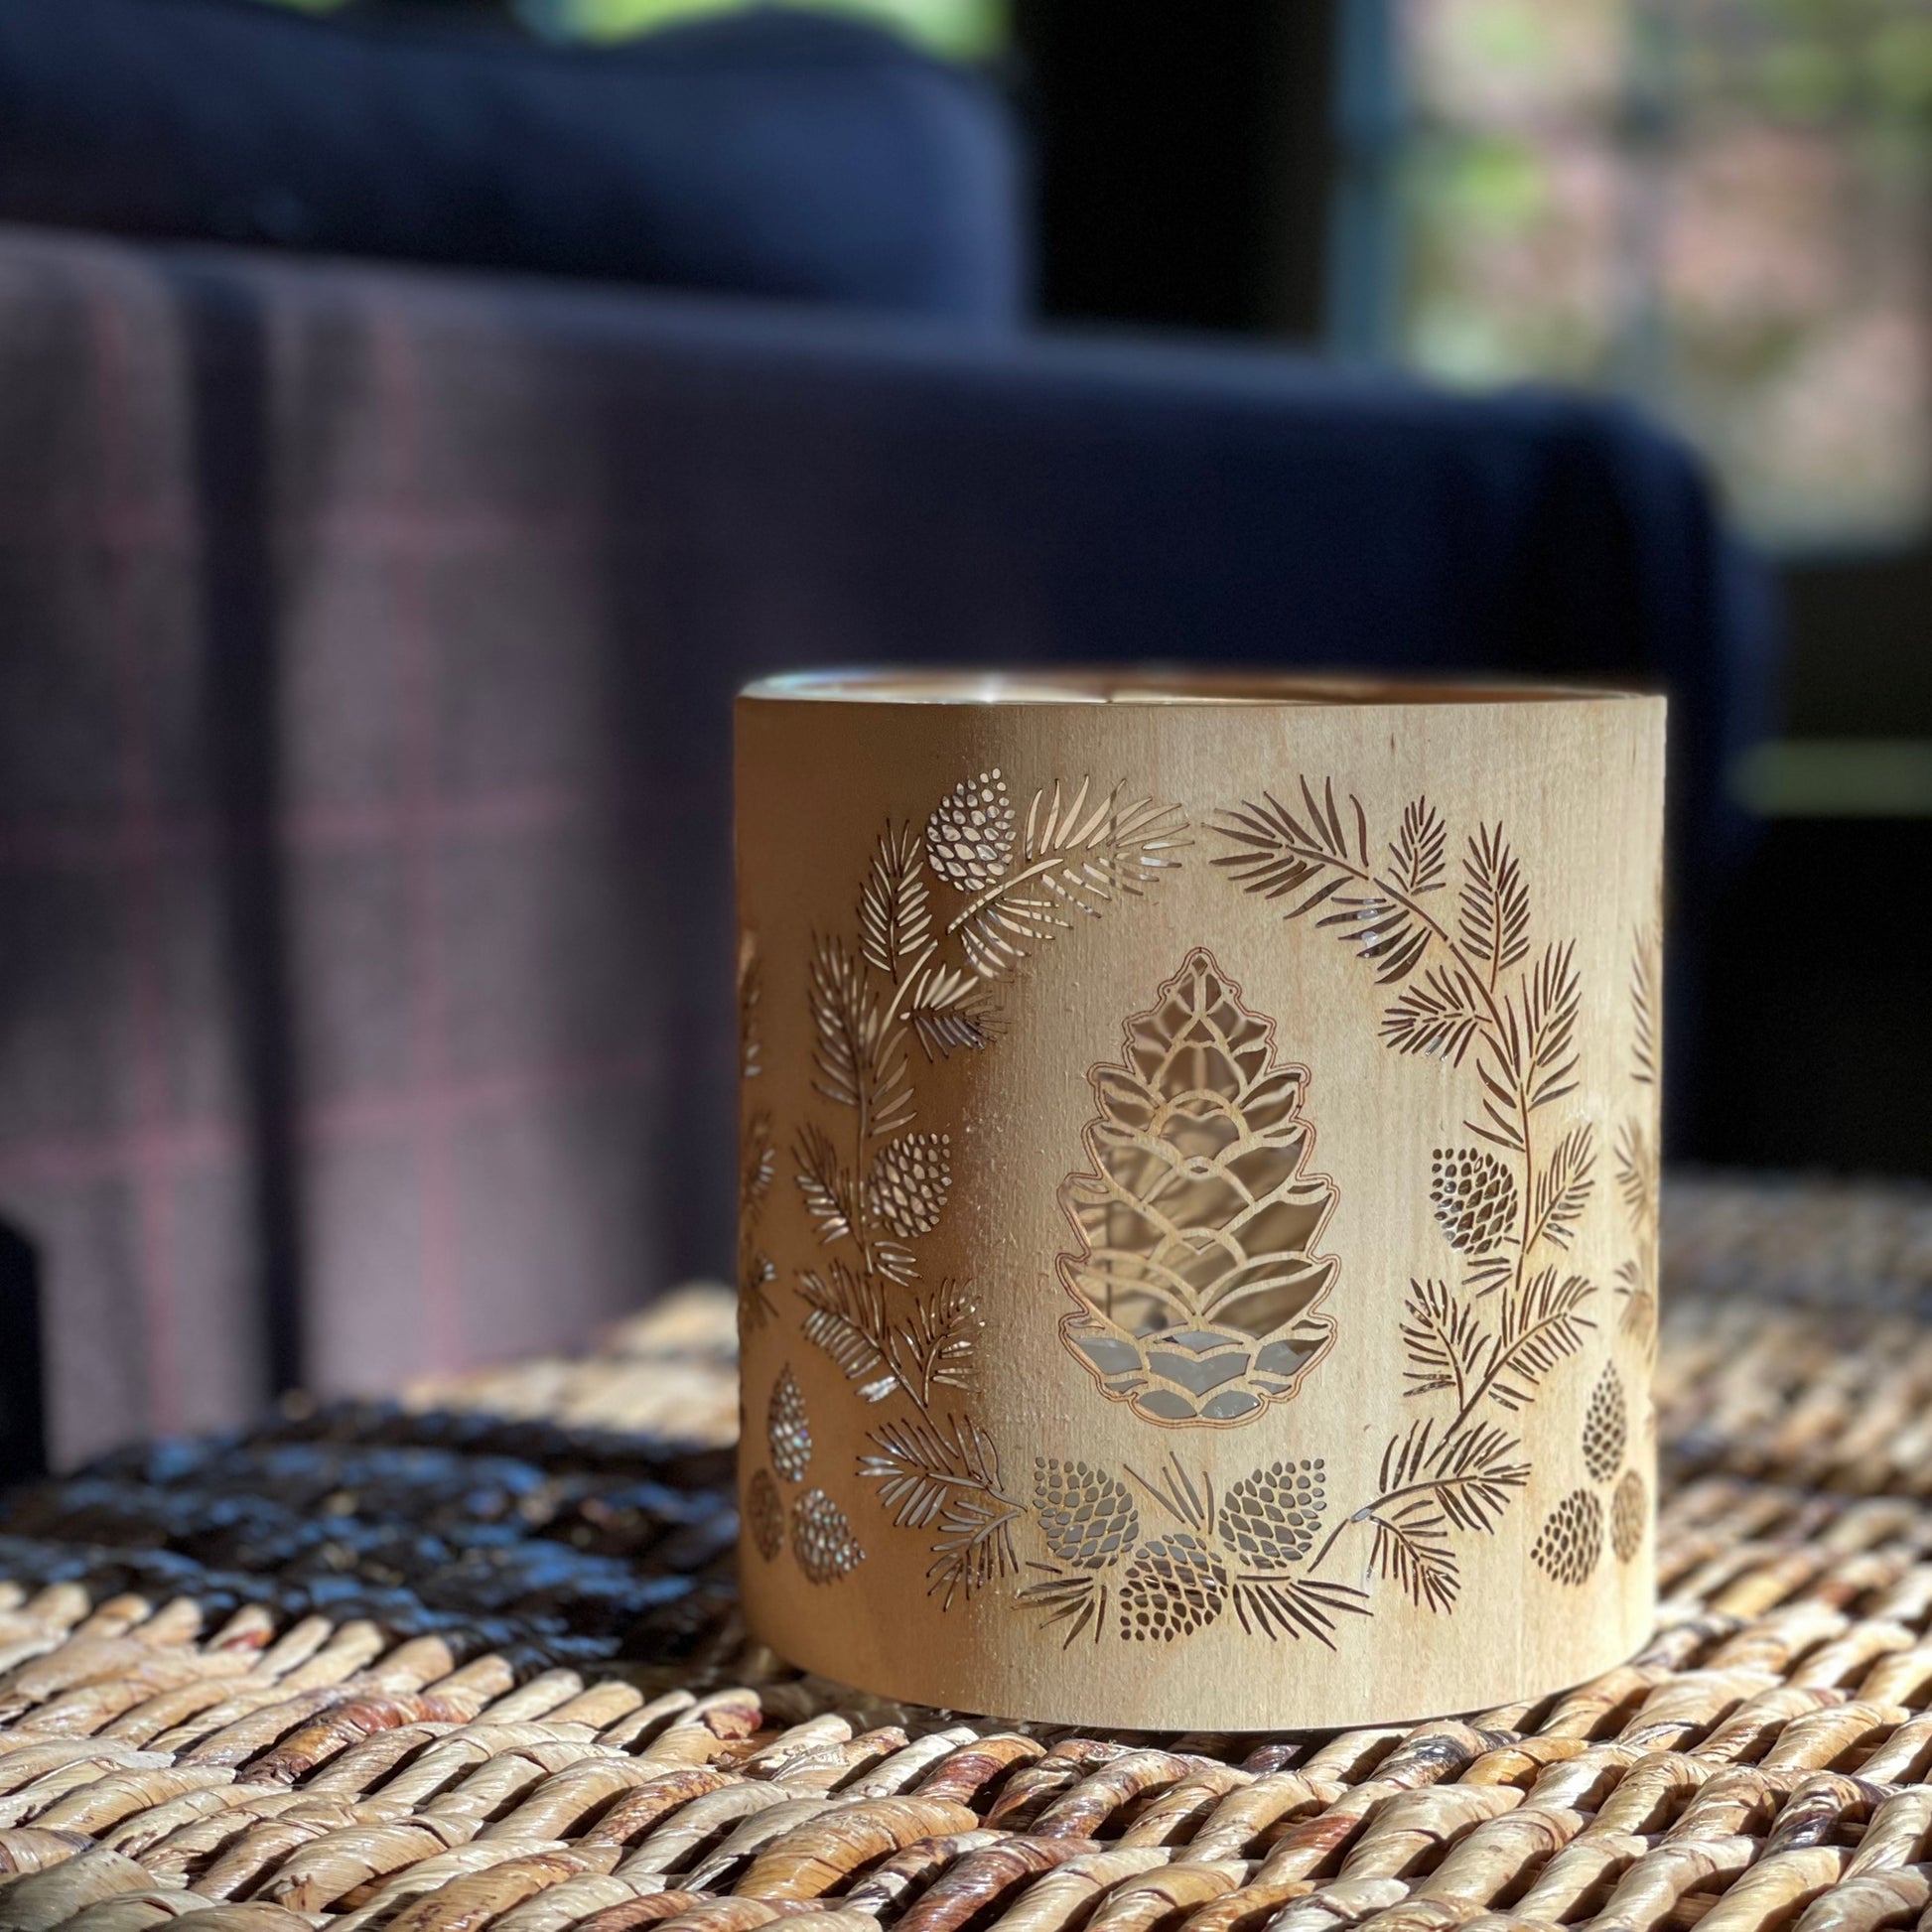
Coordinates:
(1199, 1191)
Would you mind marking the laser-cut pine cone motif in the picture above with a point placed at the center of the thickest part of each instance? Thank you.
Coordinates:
(822, 1538)
(908, 1183)
(1198, 1284)
(766, 1513)
(1607, 1428)
(1175, 1587)
(1474, 1197)
(1629, 1513)
(969, 837)
(1271, 1517)
(1086, 1516)
(1570, 1543)
(787, 1428)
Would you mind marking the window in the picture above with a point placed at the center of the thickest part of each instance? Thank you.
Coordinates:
(1720, 206)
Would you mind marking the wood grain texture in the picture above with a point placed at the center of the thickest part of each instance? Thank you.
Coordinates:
(1199, 1193)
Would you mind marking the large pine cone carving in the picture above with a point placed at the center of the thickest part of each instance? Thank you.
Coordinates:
(1197, 1284)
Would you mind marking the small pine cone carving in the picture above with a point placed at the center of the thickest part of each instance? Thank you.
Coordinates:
(1086, 1516)
(788, 1428)
(1607, 1428)
(1272, 1516)
(1629, 1513)
(969, 838)
(766, 1514)
(1569, 1545)
(1175, 1587)
(1474, 1197)
(822, 1538)
(908, 1183)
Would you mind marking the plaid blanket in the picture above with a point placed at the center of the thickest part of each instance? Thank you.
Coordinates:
(367, 642)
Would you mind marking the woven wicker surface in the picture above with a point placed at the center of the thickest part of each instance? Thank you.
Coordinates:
(443, 1670)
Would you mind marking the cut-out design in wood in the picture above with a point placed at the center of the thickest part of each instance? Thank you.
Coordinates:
(1607, 1428)
(822, 1538)
(1086, 1516)
(1636, 1149)
(1272, 1516)
(1563, 1546)
(766, 1514)
(1647, 1005)
(1470, 990)
(1157, 1559)
(788, 1430)
(758, 1160)
(1569, 1545)
(947, 912)
(1198, 1285)
(969, 837)
(1629, 1515)
(1175, 1586)
(907, 1188)
(1474, 1198)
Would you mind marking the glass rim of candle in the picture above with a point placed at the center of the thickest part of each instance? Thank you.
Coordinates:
(1155, 684)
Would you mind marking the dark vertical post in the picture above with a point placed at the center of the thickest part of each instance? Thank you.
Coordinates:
(23, 1416)
(1184, 159)
(226, 334)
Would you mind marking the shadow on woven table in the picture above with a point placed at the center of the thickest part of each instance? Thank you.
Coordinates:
(473, 1664)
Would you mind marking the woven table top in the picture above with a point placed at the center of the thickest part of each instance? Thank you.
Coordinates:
(471, 1665)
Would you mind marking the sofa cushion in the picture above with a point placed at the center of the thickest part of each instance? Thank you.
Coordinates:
(768, 153)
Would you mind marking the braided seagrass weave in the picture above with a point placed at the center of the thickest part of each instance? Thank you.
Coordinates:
(473, 1668)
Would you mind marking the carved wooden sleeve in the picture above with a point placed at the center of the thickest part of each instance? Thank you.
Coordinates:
(1198, 1261)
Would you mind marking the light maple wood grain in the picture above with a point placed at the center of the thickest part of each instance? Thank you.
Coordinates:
(1200, 1175)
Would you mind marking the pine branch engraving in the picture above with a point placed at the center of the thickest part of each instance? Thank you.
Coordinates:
(944, 1476)
(1647, 1005)
(1471, 997)
(1562, 1188)
(1076, 855)
(948, 1009)
(947, 911)
(1496, 910)
(895, 916)
(1173, 1557)
(1443, 1340)
(756, 1158)
(1416, 857)
(1636, 1147)
(1439, 1015)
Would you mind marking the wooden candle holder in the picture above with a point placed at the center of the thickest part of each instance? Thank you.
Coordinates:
(1198, 1254)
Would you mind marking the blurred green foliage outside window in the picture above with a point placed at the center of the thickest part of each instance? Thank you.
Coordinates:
(960, 29)
(1722, 207)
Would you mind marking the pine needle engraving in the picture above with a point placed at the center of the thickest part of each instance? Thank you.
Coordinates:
(1474, 994)
(1636, 1149)
(758, 1160)
(947, 912)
